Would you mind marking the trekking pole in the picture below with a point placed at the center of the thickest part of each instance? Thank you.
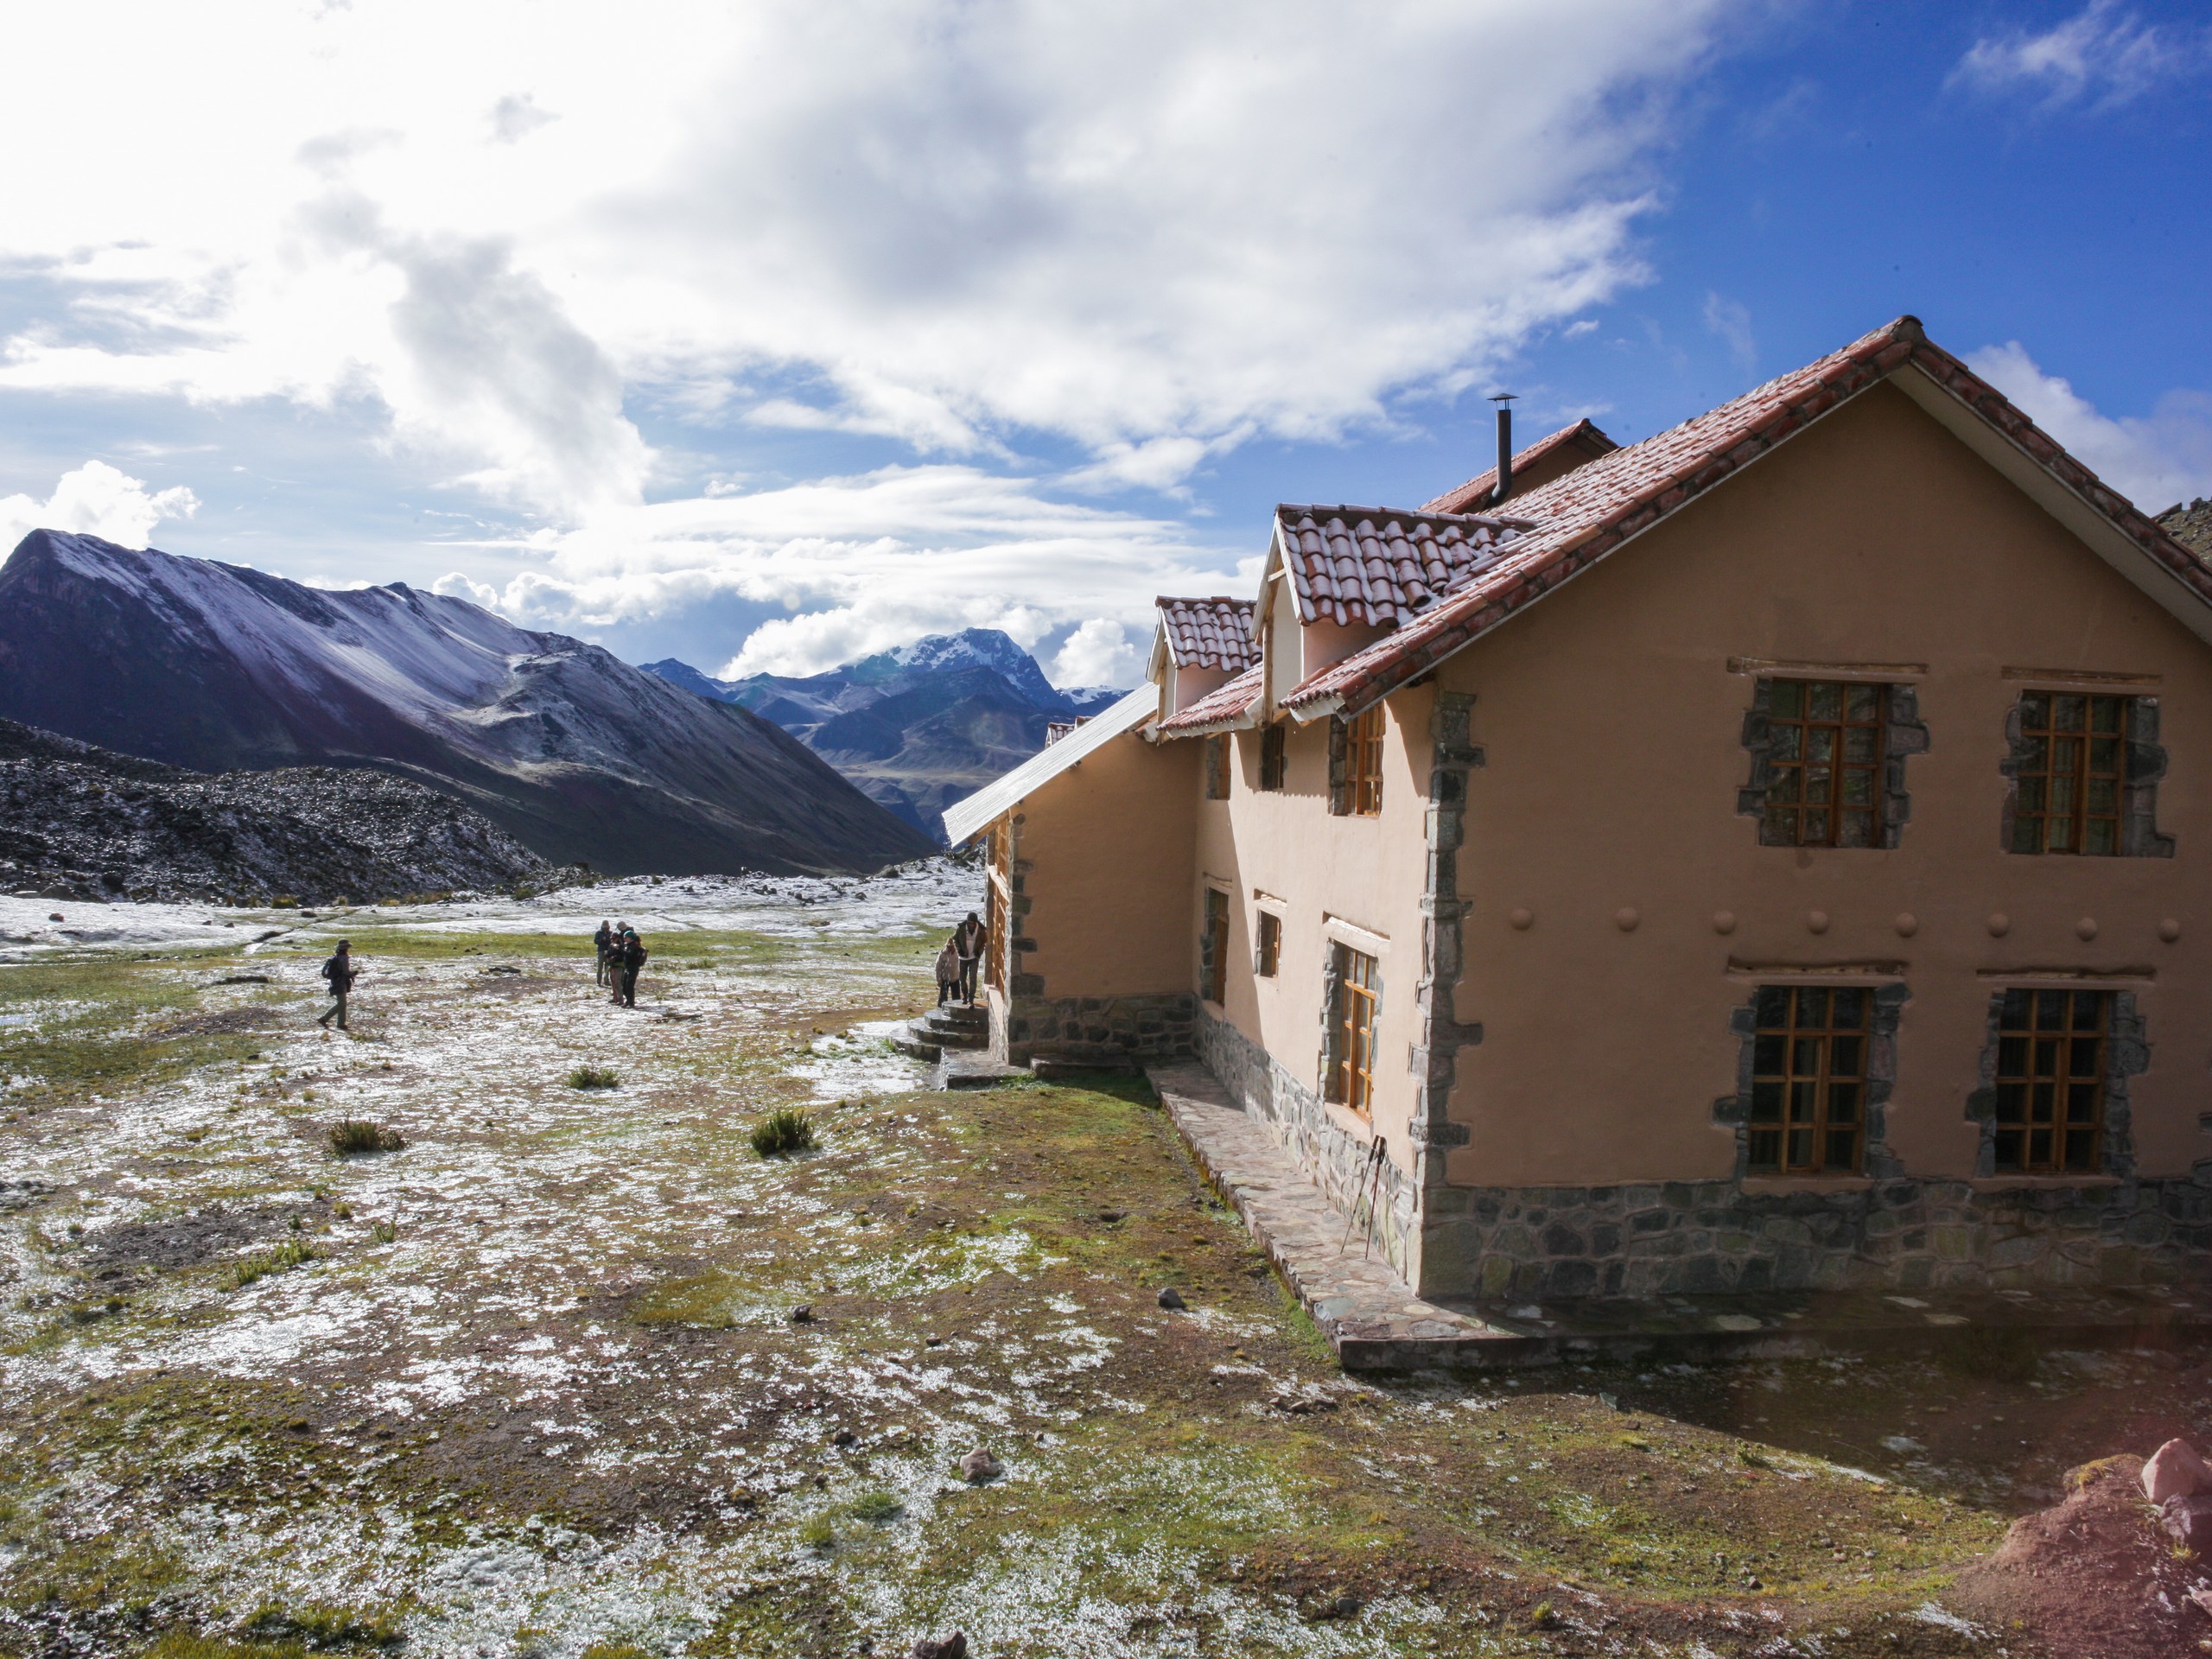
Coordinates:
(1351, 1211)
(1374, 1189)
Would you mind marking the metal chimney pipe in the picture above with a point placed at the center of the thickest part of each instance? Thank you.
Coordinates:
(1504, 487)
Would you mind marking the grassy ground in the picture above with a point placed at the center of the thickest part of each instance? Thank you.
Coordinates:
(575, 1373)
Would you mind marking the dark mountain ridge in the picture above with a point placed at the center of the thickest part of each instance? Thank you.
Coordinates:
(917, 728)
(578, 755)
(81, 822)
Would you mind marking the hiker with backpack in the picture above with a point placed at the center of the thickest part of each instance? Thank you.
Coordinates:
(968, 940)
(341, 973)
(947, 973)
(633, 959)
(603, 942)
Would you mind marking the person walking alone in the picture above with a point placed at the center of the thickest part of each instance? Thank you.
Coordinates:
(633, 959)
(968, 939)
(603, 942)
(340, 972)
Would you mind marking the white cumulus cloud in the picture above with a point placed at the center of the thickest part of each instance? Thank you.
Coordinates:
(2155, 460)
(1099, 652)
(95, 499)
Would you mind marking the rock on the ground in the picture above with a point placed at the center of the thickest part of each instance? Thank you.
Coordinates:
(952, 1647)
(979, 1467)
(2190, 1521)
(2174, 1470)
(1172, 1297)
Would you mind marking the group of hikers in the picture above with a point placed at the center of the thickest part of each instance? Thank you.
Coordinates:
(959, 962)
(621, 954)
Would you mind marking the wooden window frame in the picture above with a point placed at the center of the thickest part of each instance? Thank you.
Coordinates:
(1826, 738)
(2048, 1041)
(1353, 1028)
(2069, 769)
(1363, 736)
(1217, 765)
(998, 890)
(1274, 766)
(1213, 948)
(1267, 948)
(1811, 1049)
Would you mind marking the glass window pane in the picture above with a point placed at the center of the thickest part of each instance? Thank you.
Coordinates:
(1788, 743)
(2011, 1102)
(1781, 827)
(1805, 1056)
(2050, 1010)
(2046, 1062)
(2067, 712)
(1783, 791)
(1801, 1148)
(1847, 1057)
(2042, 1101)
(1862, 703)
(1811, 1006)
(2011, 1145)
(1859, 786)
(2081, 1103)
(1773, 1006)
(1765, 1149)
(1857, 829)
(2089, 1010)
(2027, 834)
(1858, 743)
(1768, 1051)
(1816, 827)
(1851, 1009)
(1843, 1102)
(2037, 755)
(1842, 1152)
(2034, 794)
(1804, 1102)
(1819, 743)
(2017, 1008)
(1824, 700)
(2106, 714)
(2101, 836)
(2104, 797)
(2104, 754)
(1816, 786)
(1766, 1103)
(2011, 1056)
(2081, 1149)
(1787, 699)
(2035, 709)
(2039, 1149)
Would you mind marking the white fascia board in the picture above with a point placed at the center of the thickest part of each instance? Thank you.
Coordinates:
(964, 818)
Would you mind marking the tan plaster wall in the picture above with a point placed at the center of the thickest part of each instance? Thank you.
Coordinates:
(1612, 729)
(1108, 846)
(1366, 871)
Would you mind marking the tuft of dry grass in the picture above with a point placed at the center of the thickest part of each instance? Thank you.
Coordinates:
(262, 1264)
(785, 1129)
(350, 1135)
(593, 1076)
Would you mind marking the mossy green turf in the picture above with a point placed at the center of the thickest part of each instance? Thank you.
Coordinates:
(1200, 1482)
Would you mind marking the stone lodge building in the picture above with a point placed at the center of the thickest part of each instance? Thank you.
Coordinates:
(1766, 856)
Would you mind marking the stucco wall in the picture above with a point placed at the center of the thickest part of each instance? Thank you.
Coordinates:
(1611, 725)
(1100, 948)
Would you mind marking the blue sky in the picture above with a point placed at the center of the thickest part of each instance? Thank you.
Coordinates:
(773, 335)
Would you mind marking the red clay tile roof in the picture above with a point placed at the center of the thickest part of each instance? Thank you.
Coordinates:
(1223, 709)
(1538, 464)
(1595, 509)
(1379, 566)
(1213, 632)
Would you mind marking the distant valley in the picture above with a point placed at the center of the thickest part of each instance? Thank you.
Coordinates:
(917, 728)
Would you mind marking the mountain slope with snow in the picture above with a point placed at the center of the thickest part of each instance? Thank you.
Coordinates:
(916, 727)
(578, 755)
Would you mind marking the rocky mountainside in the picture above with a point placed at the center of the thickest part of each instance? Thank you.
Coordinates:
(577, 755)
(917, 728)
(82, 822)
(2190, 524)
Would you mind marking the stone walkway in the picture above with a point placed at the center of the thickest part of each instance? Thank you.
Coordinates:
(1374, 1321)
(1370, 1315)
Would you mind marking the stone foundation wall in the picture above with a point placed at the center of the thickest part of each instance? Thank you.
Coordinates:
(1113, 1029)
(1705, 1237)
(1338, 1161)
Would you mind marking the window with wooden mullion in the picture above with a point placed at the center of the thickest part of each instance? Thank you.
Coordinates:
(2051, 1081)
(1364, 758)
(1356, 1003)
(1825, 751)
(2072, 766)
(1809, 1079)
(1214, 947)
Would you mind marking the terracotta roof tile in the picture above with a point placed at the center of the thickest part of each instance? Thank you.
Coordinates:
(1379, 566)
(1214, 633)
(1582, 517)
(1538, 464)
(1223, 709)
